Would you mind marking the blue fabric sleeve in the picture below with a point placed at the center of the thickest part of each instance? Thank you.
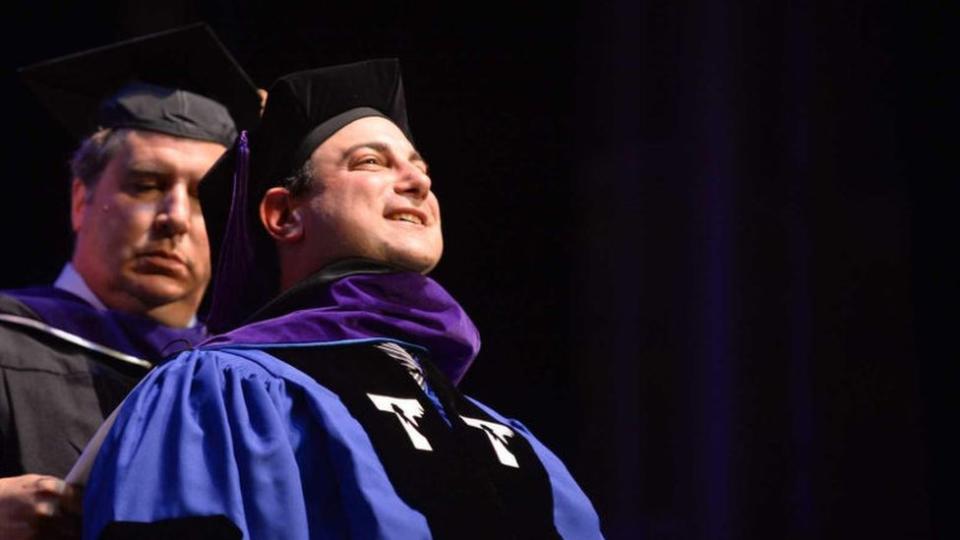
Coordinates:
(242, 435)
(573, 514)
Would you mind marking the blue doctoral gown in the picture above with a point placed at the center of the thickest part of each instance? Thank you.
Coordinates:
(236, 440)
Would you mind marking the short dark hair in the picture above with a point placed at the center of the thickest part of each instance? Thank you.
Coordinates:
(299, 182)
(91, 158)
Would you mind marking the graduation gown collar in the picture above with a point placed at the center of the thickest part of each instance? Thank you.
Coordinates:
(135, 335)
(359, 300)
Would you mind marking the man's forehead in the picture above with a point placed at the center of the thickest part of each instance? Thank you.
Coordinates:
(152, 140)
(370, 132)
(150, 150)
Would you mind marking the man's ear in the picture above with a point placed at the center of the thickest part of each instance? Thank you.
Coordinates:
(78, 203)
(281, 215)
(263, 99)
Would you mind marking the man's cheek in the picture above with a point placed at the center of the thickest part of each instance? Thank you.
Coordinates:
(136, 221)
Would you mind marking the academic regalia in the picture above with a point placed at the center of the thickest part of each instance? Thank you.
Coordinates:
(299, 426)
(64, 366)
(332, 411)
(181, 82)
(64, 363)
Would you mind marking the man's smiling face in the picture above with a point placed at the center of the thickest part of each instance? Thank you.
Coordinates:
(370, 197)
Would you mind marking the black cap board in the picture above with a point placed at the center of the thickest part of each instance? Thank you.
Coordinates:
(181, 82)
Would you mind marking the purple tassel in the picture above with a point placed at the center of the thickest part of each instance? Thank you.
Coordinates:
(236, 252)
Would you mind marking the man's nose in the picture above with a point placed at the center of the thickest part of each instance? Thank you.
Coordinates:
(413, 182)
(173, 216)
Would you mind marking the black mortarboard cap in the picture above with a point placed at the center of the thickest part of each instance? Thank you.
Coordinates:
(303, 110)
(181, 82)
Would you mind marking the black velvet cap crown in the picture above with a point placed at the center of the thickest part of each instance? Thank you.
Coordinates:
(303, 110)
(181, 82)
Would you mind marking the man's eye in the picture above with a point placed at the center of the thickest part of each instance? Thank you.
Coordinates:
(143, 182)
(142, 187)
(369, 161)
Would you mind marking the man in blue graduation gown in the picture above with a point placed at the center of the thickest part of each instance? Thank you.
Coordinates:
(70, 352)
(333, 410)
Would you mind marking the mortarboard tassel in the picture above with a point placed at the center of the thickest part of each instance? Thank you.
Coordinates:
(236, 255)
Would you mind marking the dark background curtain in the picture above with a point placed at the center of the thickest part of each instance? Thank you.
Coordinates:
(767, 197)
(709, 245)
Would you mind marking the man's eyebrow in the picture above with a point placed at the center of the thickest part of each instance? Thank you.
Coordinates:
(139, 168)
(379, 147)
(383, 148)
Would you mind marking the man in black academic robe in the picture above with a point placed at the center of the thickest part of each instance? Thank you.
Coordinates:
(70, 352)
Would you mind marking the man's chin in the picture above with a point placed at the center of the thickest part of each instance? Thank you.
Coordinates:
(157, 290)
(414, 262)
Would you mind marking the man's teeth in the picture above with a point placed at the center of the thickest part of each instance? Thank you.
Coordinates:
(409, 218)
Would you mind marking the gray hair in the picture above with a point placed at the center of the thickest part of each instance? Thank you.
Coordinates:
(91, 158)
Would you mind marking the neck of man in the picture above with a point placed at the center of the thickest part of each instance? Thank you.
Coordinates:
(175, 314)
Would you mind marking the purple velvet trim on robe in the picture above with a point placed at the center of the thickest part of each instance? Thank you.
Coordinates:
(404, 306)
(134, 335)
